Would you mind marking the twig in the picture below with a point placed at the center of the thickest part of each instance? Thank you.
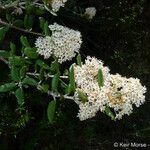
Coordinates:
(4, 60)
(36, 2)
(55, 95)
(51, 76)
(17, 28)
(48, 75)
(19, 4)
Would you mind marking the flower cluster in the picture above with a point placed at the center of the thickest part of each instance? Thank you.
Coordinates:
(86, 81)
(124, 93)
(90, 12)
(43, 46)
(64, 43)
(118, 93)
(56, 4)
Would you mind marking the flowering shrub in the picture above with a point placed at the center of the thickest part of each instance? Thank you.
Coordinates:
(48, 83)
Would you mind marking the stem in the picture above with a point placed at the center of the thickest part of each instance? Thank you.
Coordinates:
(54, 95)
(19, 4)
(4, 60)
(36, 2)
(48, 75)
(17, 28)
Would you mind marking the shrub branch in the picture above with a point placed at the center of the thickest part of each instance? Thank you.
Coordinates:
(47, 76)
(55, 95)
(17, 28)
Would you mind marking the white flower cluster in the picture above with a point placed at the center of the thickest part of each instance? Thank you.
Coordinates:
(90, 12)
(124, 93)
(86, 81)
(118, 93)
(43, 46)
(64, 43)
(56, 4)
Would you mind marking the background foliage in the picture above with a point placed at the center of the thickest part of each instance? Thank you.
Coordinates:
(119, 34)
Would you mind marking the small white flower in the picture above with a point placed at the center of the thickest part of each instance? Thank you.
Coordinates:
(90, 12)
(56, 4)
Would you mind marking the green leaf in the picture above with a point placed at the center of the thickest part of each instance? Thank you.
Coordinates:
(41, 74)
(4, 54)
(22, 121)
(23, 72)
(66, 72)
(18, 23)
(100, 78)
(24, 41)
(20, 96)
(13, 48)
(46, 29)
(30, 53)
(55, 82)
(9, 17)
(38, 11)
(15, 76)
(30, 81)
(7, 87)
(42, 22)
(42, 64)
(28, 21)
(109, 113)
(79, 62)
(72, 79)
(71, 87)
(3, 31)
(82, 96)
(51, 111)
(68, 89)
(55, 66)
(16, 61)
(63, 84)
(44, 87)
(29, 8)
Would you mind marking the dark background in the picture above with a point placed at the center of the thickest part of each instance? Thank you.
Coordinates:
(119, 35)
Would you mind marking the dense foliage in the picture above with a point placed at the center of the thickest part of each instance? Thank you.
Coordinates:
(31, 119)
